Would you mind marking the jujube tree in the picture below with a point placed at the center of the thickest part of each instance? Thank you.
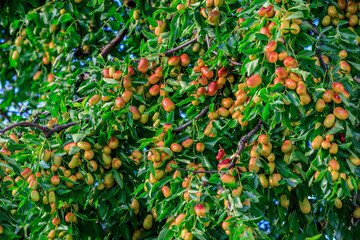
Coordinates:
(180, 119)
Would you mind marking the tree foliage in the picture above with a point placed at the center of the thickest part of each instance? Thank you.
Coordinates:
(179, 119)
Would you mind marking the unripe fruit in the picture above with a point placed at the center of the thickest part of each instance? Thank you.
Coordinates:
(286, 147)
(148, 221)
(168, 104)
(35, 197)
(305, 206)
(356, 213)
(253, 165)
(264, 181)
(329, 120)
(295, 28)
(253, 81)
(326, 21)
(338, 203)
(284, 201)
(320, 105)
(200, 210)
(316, 143)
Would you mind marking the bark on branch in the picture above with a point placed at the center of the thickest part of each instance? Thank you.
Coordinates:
(45, 130)
(200, 115)
(243, 140)
(195, 171)
(104, 51)
(4, 115)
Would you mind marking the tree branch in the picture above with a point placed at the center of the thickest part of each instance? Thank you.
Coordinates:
(45, 130)
(357, 79)
(316, 32)
(4, 114)
(243, 140)
(104, 51)
(194, 171)
(200, 115)
(179, 47)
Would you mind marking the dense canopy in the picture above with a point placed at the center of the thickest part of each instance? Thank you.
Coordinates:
(182, 119)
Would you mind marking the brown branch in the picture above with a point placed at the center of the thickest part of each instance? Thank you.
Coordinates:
(357, 79)
(200, 115)
(316, 32)
(104, 51)
(194, 171)
(179, 47)
(45, 130)
(4, 114)
(243, 140)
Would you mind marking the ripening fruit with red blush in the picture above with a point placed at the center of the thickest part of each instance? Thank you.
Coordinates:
(143, 65)
(106, 73)
(166, 191)
(271, 46)
(253, 81)
(184, 60)
(337, 87)
(281, 72)
(289, 61)
(200, 210)
(212, 88)
(341, 113)
(168, 104)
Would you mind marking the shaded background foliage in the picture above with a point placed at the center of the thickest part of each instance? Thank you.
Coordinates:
(53, 55)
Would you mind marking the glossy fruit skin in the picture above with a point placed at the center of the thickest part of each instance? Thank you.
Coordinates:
(254, 81)
(341, 113)
(143, 65)
(200, 210)
(221, 153)
(187, 143)
(200, 147)
(316, 143)
(329, 120)
(166, 191)
(168, 104)
(212, 88)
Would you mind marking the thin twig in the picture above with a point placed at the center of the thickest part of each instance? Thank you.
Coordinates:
(179, 47)
(4, 114)
(357, 79)
(200, 115)
(243, 140)
(194, 171)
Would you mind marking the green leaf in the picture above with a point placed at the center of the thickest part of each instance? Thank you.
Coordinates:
(117, 178)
